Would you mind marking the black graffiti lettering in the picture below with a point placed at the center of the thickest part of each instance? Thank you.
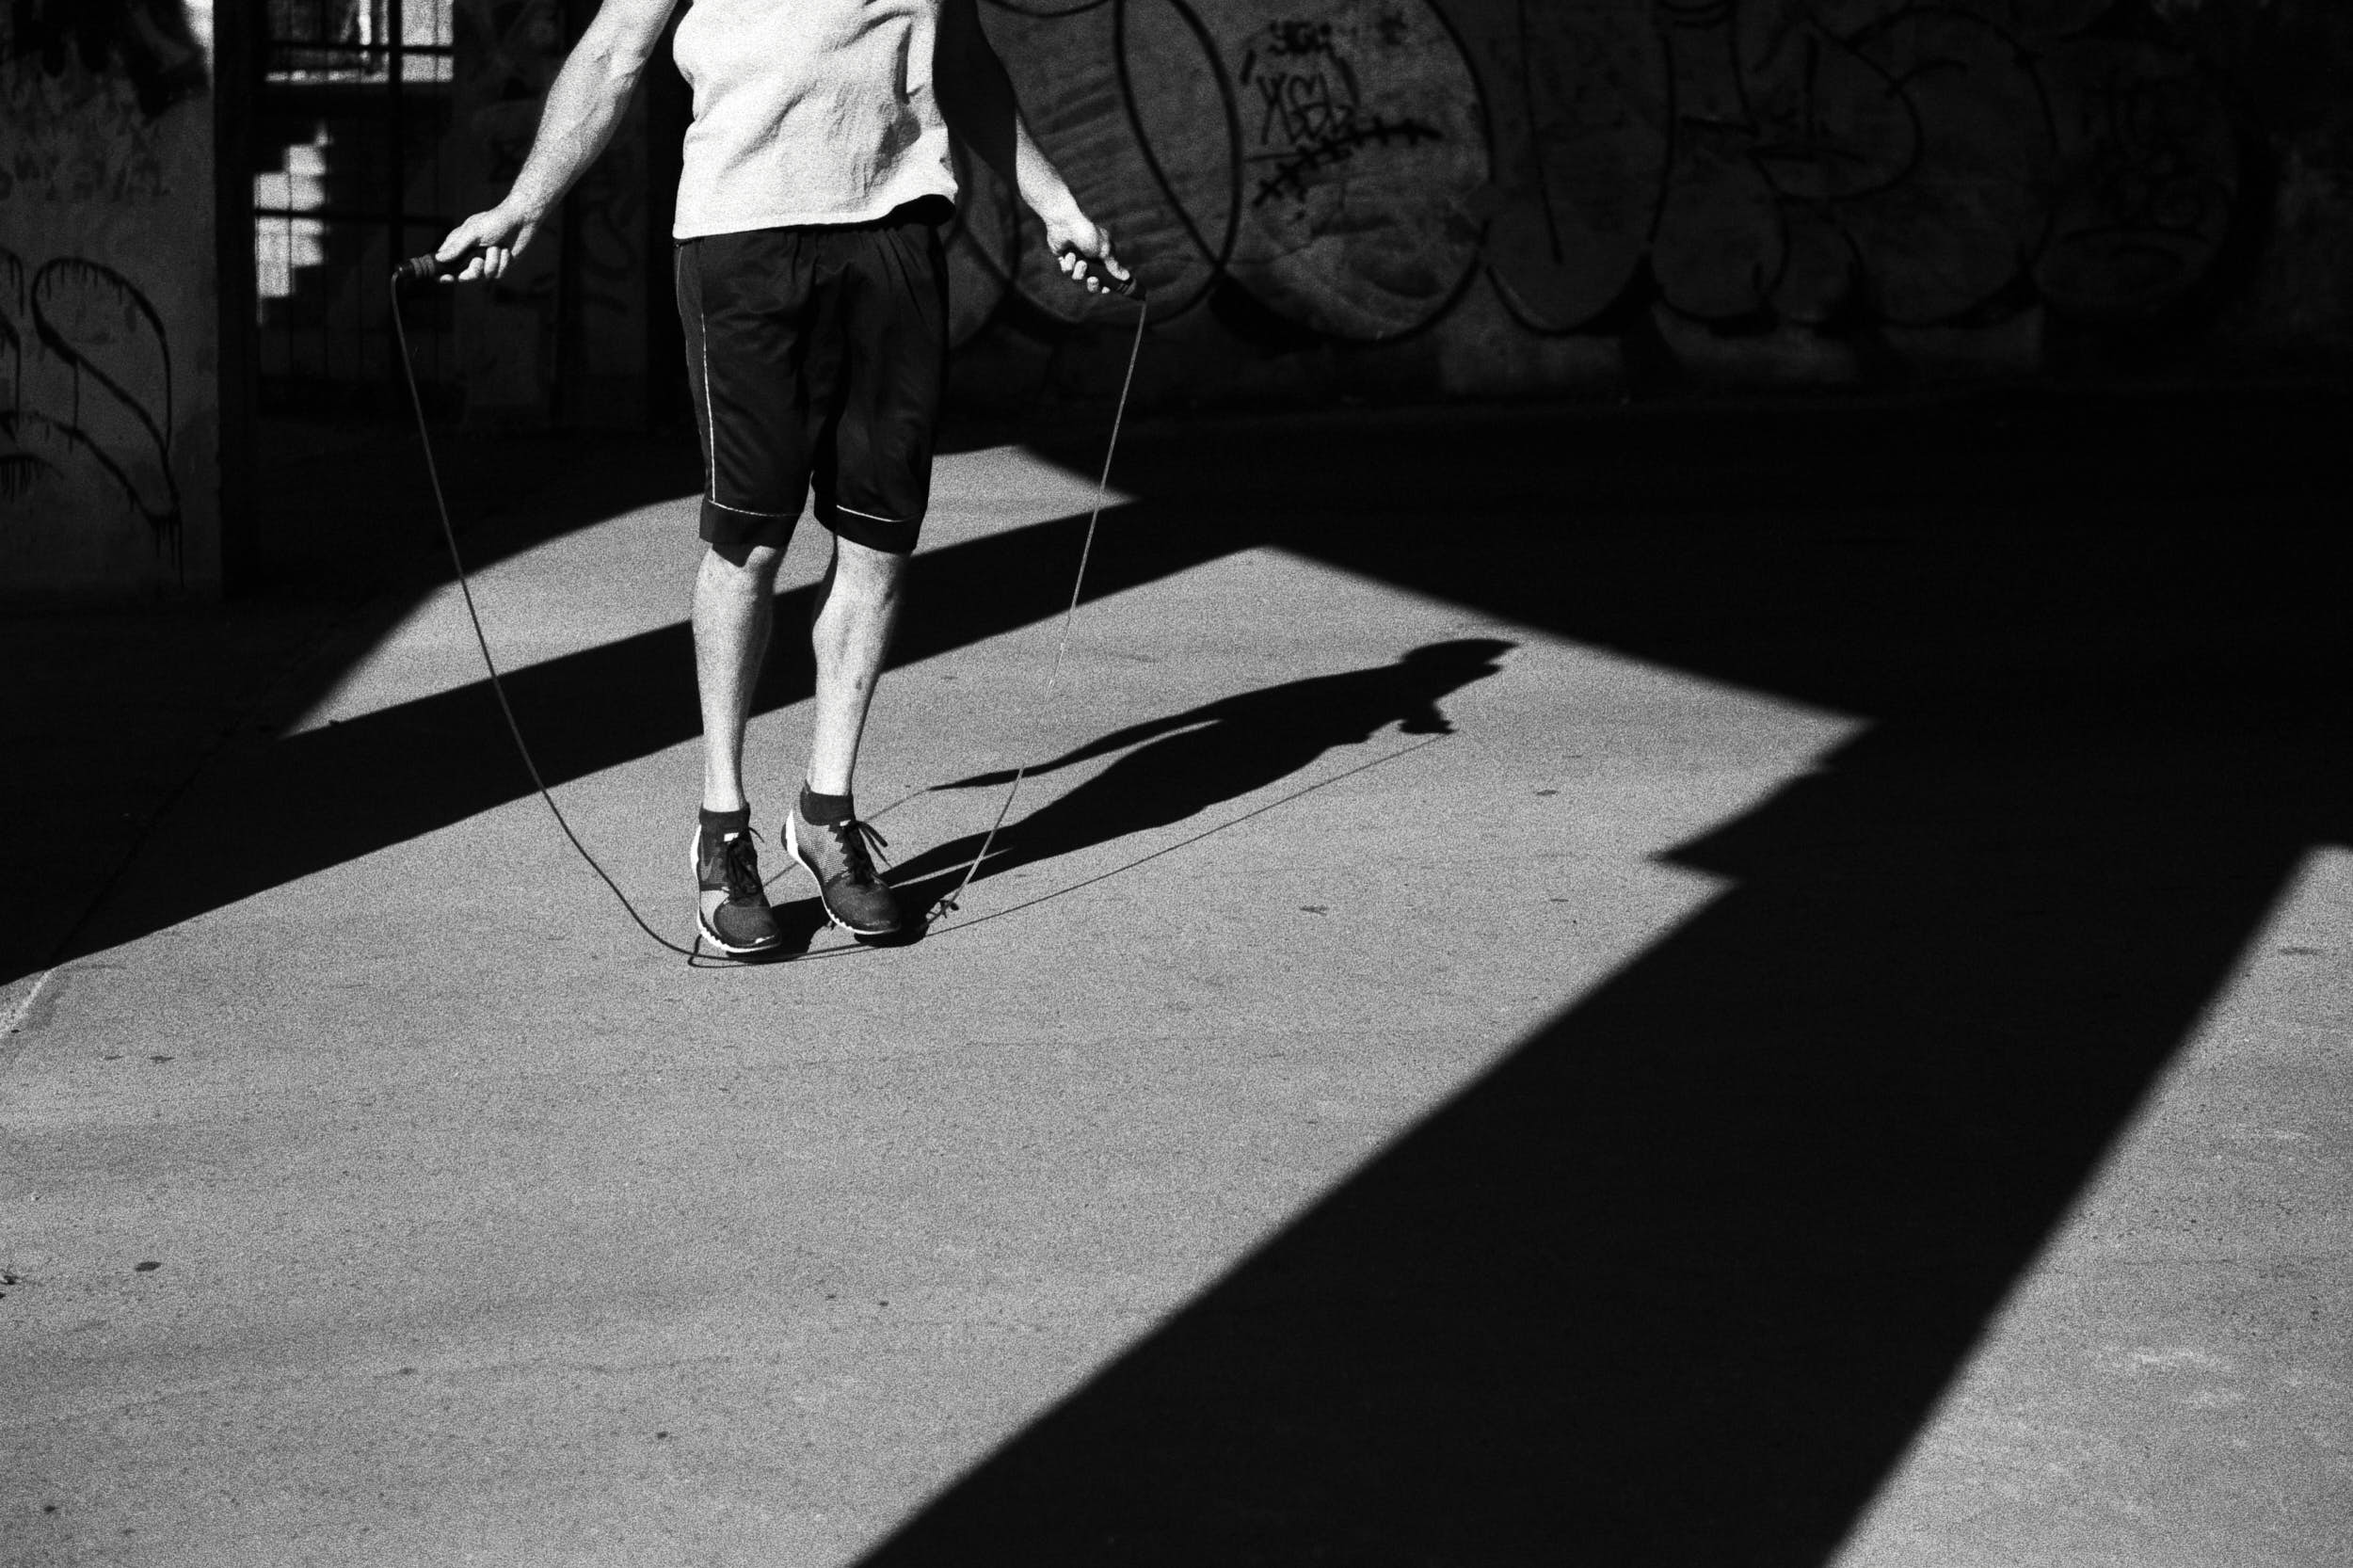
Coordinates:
(2147, 178)
(1303, 109)
(2095, 176)
(11, 307)
(1270, 91)
(21, 473)
(1290, 176)
(99, 359)
(1300, 37)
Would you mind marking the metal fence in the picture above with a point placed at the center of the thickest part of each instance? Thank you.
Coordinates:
(350, 131)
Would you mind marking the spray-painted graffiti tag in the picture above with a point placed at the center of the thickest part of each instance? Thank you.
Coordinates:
(1352, 164)
(1310, 97)
(1321, 159)
(1812, 160)
(1311, 100)
(87, 390)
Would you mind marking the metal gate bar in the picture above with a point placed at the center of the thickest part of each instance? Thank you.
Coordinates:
(353, 107)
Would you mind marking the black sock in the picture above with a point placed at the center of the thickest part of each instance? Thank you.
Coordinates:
(825, 810)
(736, 821)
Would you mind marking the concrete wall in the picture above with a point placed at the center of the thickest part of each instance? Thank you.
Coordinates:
(109, 396)
(1414, 199)
(1494, 197)
(1330, 199)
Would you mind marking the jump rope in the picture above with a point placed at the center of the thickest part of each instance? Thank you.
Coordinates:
(424, 269)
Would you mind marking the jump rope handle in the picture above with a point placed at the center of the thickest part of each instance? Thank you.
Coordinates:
(1129, 287)
(428, 269)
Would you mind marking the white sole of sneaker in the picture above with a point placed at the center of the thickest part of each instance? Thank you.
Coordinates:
(694, 869)
(793, 848)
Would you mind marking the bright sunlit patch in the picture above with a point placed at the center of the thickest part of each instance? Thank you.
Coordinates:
(898, 1204)
(284, 242)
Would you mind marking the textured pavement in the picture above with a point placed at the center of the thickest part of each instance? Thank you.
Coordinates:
(1599, 990)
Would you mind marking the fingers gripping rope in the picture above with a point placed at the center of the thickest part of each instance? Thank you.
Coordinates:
(425, 268)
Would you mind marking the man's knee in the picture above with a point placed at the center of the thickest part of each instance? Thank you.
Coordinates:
(867, 573)
(741, 565)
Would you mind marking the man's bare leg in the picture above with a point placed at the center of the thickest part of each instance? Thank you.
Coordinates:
(734, 609)
(857, 605)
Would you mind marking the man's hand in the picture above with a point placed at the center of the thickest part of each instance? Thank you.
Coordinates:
(499, 234)
(1080, 246)
(585, 103)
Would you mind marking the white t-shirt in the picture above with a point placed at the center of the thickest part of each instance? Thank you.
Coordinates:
(809, 111)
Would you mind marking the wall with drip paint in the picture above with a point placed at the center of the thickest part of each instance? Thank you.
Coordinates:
(109, 407)
(1491, 197)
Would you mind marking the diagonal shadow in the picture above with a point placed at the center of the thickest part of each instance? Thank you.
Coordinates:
(275, 810)
(1181, 764)
(1178, 846)
(1679, 1279)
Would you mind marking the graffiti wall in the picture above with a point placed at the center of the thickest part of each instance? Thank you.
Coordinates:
(108, 391)
(1491, 196)
(1331, 199)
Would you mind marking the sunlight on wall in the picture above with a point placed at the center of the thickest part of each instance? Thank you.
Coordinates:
(284, 244)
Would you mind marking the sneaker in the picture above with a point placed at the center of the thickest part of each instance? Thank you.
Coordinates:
(734, 915)
(837, 855)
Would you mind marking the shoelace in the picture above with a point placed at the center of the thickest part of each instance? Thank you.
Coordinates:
(855, 839)
(740, 864)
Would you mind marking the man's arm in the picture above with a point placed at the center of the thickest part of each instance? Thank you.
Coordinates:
(976, 99)
(582, 107)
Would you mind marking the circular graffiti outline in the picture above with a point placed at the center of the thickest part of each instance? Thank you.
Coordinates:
(1220, 255)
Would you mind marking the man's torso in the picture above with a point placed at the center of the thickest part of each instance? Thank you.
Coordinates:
(808, 112)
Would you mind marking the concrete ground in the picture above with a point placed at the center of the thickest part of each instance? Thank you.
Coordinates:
(1692, 987)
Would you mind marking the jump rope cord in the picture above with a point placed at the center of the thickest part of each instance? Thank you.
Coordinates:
(449, 537)
(1070, 611)
(522, 748)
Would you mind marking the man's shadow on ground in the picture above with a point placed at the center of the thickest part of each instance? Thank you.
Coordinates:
(1183, 765)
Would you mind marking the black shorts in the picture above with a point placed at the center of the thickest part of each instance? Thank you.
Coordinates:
(817, 355)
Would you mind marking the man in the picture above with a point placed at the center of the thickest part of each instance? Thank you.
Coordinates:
(814, 290)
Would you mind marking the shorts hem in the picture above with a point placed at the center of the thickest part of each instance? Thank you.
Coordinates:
(892, 537)
(736, 529)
